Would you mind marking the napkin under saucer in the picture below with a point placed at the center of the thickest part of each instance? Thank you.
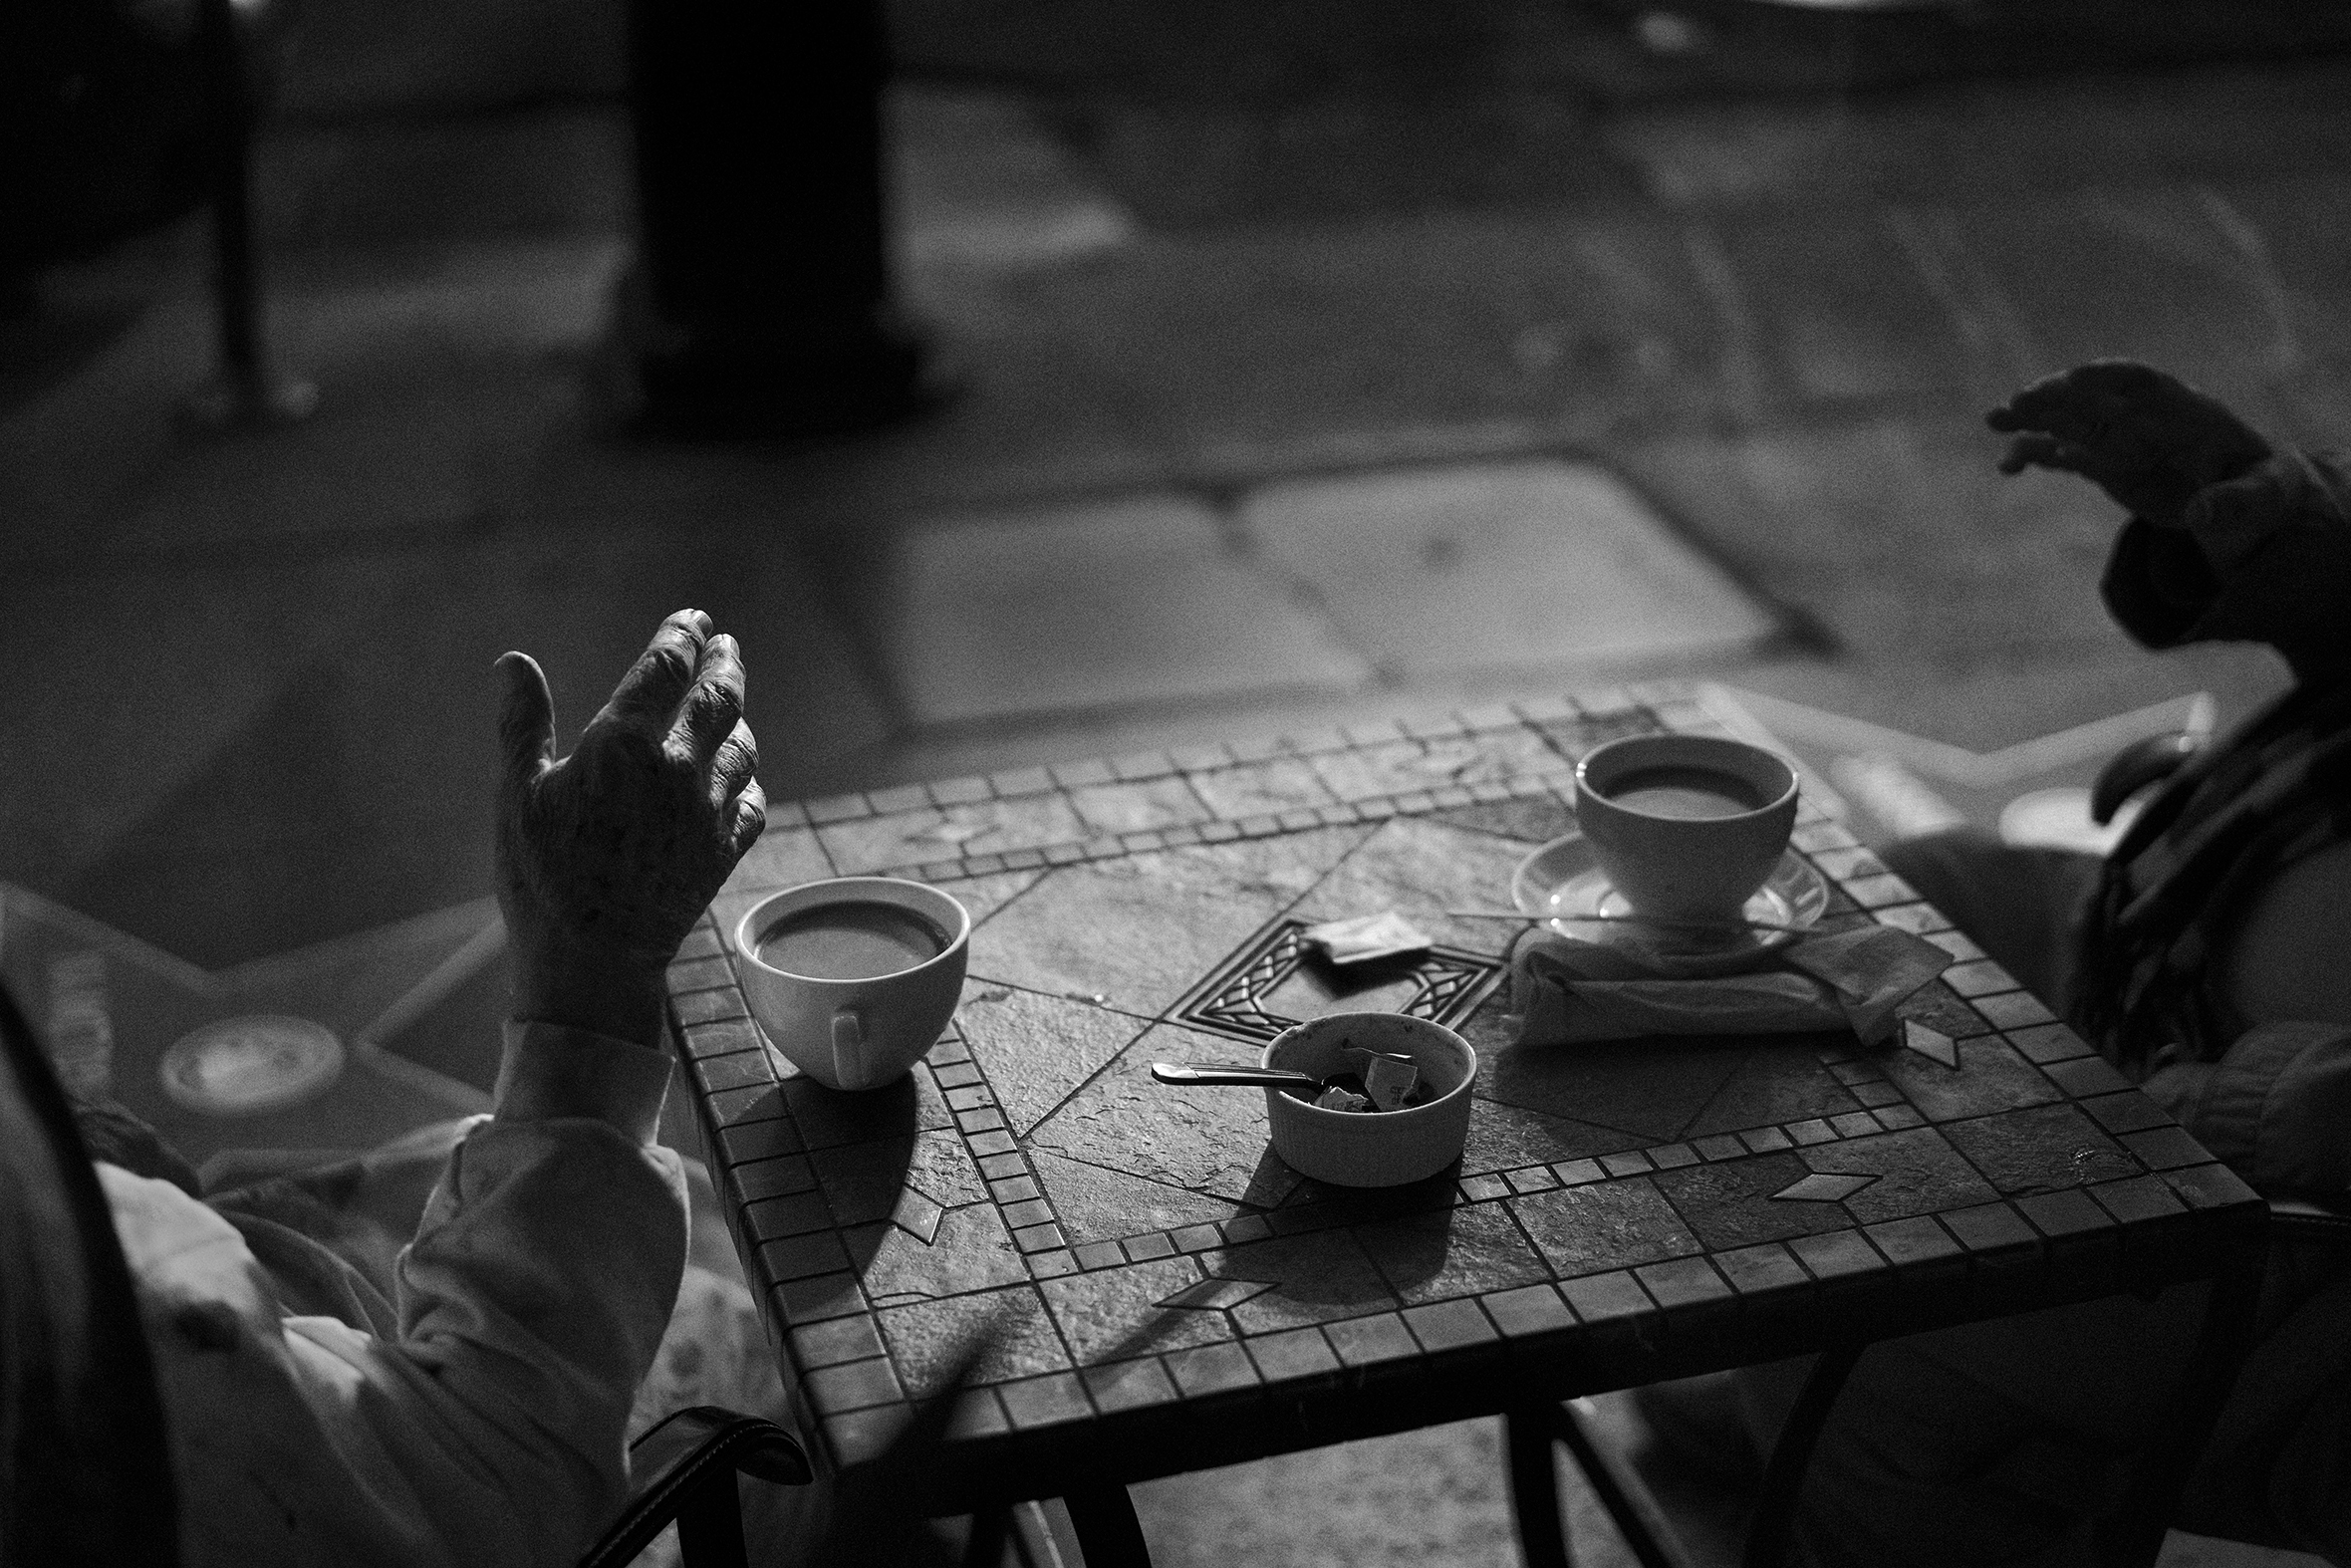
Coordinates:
(1564, 990)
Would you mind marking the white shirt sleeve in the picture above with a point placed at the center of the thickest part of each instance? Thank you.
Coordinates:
(491, 1430)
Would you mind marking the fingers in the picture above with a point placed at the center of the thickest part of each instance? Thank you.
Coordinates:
(2078, 404)
(658, 683)
(713, 708)
(526, 716)
(750, 818)
(2044, 451)
(733, 765)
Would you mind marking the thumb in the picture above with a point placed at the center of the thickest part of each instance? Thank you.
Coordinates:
(526, 716)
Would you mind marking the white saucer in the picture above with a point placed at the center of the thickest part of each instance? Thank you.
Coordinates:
(1563, 881)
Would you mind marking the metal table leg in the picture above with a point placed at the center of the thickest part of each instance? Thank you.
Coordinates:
(1534, 1488)
(1783, 1477)
(1108, 1531)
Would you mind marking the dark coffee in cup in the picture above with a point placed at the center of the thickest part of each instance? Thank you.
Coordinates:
(1684, 792)
(854, 940)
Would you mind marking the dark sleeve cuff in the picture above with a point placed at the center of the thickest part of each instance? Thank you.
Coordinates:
(550, 1071)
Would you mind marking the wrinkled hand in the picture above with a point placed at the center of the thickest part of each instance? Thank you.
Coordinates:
(2146, 438)
(606, 858)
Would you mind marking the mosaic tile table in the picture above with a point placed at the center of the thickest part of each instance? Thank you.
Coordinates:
(1164, 1295)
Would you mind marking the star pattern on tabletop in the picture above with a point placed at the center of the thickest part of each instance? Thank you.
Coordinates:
(133, 1001)
(1823, 1188)
(1931, 1044)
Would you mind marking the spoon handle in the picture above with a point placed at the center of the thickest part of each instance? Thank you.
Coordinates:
(1622, 919)
(1185, 1073)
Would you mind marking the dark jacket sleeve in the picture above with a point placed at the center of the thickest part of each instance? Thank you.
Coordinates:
(2293, 591)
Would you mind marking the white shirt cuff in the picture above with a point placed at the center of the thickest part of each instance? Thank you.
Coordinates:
(552, 1070)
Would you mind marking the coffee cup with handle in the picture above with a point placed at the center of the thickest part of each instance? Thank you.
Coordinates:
(854, 978)
(1687, 827)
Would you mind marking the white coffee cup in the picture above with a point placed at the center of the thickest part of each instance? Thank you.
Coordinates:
(863, 1032)
(1679, 866)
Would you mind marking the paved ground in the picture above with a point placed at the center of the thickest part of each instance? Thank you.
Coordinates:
(1278, 415)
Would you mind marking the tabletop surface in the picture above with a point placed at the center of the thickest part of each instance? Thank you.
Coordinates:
(1158, 1291)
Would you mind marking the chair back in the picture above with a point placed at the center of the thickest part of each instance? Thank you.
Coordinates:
(85, 1472)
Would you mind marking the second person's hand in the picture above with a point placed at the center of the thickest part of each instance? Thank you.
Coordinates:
(2146, 438)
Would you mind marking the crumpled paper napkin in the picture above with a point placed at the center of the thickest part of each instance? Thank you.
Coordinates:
(1563, 990)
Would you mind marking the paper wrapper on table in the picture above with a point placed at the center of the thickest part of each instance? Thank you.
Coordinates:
(1563, 990)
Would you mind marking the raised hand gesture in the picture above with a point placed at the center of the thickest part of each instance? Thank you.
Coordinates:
(2146, 438)
(606, 858)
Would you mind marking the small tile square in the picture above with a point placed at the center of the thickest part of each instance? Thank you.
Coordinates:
(1530, 1309)
(2084, 1076)
(2128, 1112)
(999, 1167)
(2210, 1187)
(1195, 1239)
(1015, 1189)
(1128, 1385)
(1920, 919)
(772, 1178)
(721, 1038)
(1813, 1130)
(1052, 1265)
(1765, 1140)
(1533, 1178)
(1142, 1249)
(2138, 1199)
(1045, 1237)
(1756, 1270)
(858, 1435)
(817, 1300)
(854, 1385)
(1894, 1118)
(1980, 978)
(1607, 1298)
(1293, 1353)
(1854, 1124)
(1672, 1157)
(1364, 1342)
(1915, 1243)
(2165, 1147)
(1632, 1161)
(2049, 1042)
(959, 791)
(1097, 1254)
(1031, 1211)
(772, 1219)
(1681, 1283)
(1721, 1146)
(956, 1075)
(760, 1140)
(971, 1097)
(977, 1413)
(1450, 1325)
(1836, 1254)
(994, 1143)
(837, 807)
(1045, 1401)
(1244, 1229)
(738, 1070)
(1990, 1229)
(979, 1121)
(841, 1339)
(709, 1006)
(1212, 1369)
(1575, 1172)
(797, 1257)
(2013, 1010)
(2064, 1215)
(1874, 1094)
(1481, 1189)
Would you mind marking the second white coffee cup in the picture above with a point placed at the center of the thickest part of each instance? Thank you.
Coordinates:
(843, 1028)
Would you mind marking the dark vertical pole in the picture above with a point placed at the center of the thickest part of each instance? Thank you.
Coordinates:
(247, 394)
(762, 264)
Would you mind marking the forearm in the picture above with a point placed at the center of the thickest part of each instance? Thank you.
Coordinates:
(2276, 1108)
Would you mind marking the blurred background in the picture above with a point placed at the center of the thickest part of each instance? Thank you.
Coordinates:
(1306, 362)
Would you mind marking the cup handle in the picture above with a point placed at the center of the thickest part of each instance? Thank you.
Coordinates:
(849, 1041)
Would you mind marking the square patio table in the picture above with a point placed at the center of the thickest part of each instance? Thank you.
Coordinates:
(1158, 1293)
